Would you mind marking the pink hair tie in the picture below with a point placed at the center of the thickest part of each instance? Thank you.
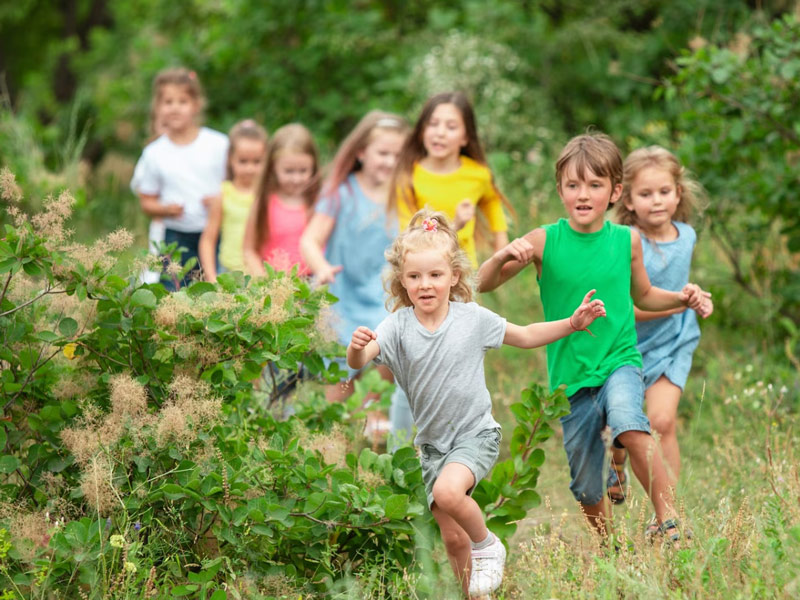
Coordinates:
(192, 75)
(430, 225)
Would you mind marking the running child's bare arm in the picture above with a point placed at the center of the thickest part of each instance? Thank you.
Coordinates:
(650, 298)
(153, 208)
(541, 334)
(362, 347)
(511, 259)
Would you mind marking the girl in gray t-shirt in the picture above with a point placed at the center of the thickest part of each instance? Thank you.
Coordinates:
(434, 342)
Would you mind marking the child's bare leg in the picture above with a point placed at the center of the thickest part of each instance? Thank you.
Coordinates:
(457, 544)
(662, 409)
(648, 466)
(599, 516)
(450, 495)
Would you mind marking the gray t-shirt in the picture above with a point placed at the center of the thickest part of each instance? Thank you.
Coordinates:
(442, 371)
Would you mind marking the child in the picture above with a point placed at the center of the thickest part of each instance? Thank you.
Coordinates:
(228, 214)
(442, 166)
(658, 199)
(345, 239)
(180, 171)
(602, 374)
(285, 195)
(434, 343)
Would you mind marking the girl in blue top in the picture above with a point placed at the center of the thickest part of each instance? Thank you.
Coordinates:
(344, 242)
(658, 198)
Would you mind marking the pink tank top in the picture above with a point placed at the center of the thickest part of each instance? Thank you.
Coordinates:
(286, 225)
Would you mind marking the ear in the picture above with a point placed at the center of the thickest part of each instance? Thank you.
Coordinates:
(616, 193)
(455, 279)
(678, 191)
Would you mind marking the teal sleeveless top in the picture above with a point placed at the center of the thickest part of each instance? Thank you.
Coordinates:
(574, 263)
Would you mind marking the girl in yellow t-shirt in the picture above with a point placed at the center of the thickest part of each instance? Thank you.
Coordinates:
(442, 166)
(227, 215)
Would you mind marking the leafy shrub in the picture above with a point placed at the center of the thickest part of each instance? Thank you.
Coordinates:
(141, 456)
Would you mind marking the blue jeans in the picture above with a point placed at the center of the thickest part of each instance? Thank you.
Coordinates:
(190, 241)
(617, 404)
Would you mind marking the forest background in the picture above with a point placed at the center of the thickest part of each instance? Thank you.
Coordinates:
(716, 82)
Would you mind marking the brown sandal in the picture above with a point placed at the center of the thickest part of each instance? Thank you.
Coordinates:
(617, 482)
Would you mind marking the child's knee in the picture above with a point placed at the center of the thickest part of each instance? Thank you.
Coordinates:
(446, 496)
(663, 423)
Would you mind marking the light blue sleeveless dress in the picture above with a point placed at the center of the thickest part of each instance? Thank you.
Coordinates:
(357, 243)
(667, 344)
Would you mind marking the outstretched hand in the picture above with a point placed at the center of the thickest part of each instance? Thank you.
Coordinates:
(361, 337)
(328, 273)
(587, 312)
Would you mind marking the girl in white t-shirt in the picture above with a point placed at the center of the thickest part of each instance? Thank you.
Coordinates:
(183, 169)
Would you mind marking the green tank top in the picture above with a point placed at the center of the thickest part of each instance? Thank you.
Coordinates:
(574, 263)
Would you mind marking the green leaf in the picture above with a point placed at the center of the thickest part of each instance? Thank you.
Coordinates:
(8, 463)
(144, 297)
(68, 327)
(198, 288)
(396, 506)
(33, 269)
(184, 590)
(217, 326)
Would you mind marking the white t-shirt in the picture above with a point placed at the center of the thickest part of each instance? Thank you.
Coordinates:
(183, 175)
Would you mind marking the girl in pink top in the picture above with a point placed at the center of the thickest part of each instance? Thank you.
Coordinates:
(285, 195)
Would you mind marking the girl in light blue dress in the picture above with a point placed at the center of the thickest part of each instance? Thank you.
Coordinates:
(344, 242)
(659, 199)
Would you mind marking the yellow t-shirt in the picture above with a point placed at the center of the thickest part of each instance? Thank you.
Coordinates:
(235, 210)
(471, 181)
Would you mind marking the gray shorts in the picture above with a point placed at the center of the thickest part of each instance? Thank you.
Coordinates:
(477, 453)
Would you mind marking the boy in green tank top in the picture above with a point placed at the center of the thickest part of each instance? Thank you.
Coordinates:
(602, 371)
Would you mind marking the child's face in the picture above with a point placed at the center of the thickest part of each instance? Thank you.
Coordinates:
(654, 198)
(247, 160)
(380, 156)
(586, 197)
(428, 277)
(445, 133)
(176, 108)
(294, 171)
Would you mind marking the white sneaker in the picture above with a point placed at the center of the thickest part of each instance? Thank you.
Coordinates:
(487, 568)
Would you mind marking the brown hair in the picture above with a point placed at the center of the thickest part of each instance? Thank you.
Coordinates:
(243, 130)
(346, 159)
(592, 151)
(294, 138)
(175, 76)
(402, 188)
(417, 237)
(692, 195)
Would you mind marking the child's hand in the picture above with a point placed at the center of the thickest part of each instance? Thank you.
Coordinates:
(209, 200)
(694, 297)
(361, 337)
(706, 309)
(520, 250)
(587, 312)
(173, 210)
(465, 212)
(327, 274)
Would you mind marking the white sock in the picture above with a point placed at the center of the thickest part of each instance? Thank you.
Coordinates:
(481, 545)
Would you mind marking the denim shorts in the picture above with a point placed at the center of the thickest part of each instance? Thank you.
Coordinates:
(617, 404)
(477, 453)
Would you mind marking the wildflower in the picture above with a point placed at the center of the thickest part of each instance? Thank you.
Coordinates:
(137, 526)
(69, 350)
(117, 541)
(130, 567)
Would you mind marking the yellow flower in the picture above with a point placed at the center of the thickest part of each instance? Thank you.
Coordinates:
(117, 541)
(69, 350)
(130, 567)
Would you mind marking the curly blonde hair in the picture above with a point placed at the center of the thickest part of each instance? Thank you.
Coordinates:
(420, 236)
(692, 198)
